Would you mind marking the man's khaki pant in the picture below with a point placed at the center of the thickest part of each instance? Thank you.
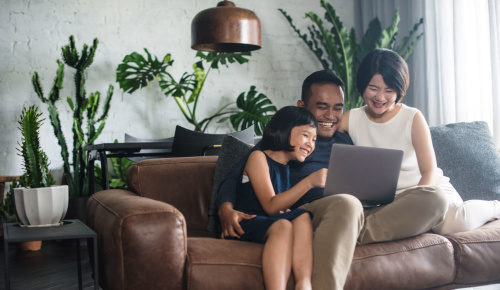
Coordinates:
(339, 222)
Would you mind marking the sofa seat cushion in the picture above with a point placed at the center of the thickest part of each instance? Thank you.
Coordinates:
(420, 262)
(224, 264)
(477, 254)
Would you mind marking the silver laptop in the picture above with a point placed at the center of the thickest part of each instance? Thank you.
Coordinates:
(370, 174)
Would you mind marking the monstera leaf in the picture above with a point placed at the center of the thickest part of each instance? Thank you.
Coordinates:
(255, 109)
(136, 72)
(215, 58)
(178, 89)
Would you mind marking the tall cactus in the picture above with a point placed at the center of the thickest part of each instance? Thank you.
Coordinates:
(84, 109)
(35, 161)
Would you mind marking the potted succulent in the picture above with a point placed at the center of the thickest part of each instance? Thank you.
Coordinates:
(37, 202)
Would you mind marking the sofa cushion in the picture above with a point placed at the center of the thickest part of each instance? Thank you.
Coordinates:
(477, 254)
(467, 154)
(420, 262)
(224, 264)
(232, 150)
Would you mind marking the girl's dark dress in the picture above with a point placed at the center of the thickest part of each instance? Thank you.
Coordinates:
(247, 202)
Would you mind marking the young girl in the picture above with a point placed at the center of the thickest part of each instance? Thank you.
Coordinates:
(382, 80)
(265, 192)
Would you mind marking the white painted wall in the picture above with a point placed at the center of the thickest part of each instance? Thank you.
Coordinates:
(32, 33)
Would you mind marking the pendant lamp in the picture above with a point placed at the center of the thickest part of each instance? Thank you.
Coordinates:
(225, 28)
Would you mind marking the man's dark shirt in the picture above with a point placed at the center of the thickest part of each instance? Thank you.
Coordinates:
(298, 171)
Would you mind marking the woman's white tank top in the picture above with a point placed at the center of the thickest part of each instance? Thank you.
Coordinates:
(393, 134)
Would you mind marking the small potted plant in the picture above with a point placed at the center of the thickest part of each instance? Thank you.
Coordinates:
(37, 202)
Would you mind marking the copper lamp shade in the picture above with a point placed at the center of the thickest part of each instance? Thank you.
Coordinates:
(225, 28)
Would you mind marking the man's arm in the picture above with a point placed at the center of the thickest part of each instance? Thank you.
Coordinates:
(229, 217)
(230, 220)
(226, 199)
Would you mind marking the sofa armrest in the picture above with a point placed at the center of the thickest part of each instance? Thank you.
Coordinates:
(142, 242)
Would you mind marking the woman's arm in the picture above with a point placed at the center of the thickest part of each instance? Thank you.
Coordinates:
(257, 171)
(422, 143)
(344, 124)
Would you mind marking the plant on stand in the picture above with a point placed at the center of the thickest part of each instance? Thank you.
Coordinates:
(86, 124)
(338, 50)
(137, 71)
(37, 201)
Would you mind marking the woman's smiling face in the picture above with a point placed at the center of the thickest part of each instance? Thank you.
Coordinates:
(378, 97)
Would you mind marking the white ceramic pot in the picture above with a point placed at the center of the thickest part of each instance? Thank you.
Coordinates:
(41, 207)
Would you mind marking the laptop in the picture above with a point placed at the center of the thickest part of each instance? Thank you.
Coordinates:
(370, 174)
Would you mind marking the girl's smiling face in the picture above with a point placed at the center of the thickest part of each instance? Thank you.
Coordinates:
(378, 97)
(303, 139)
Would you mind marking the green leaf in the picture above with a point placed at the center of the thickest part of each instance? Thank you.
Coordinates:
(256, 109)
(312, 44)
(216, 58)
(405, 43)
(370, 39)
(180, 88)
(136, 72)
(389, 34)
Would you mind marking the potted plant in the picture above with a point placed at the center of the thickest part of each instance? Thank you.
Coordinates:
(337, 48)
(86, 123)
(137, 71)
(37, 202)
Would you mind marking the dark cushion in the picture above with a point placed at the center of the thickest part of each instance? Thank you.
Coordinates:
(233, 149)
(191, 143)
(468, 155)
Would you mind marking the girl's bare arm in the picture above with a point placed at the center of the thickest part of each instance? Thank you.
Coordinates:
(257, 171)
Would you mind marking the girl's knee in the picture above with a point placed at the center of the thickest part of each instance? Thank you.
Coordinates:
(281, 227)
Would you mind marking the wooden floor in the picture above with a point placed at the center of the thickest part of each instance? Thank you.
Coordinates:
(53, 267)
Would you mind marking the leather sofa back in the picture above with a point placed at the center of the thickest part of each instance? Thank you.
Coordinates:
(185, 182)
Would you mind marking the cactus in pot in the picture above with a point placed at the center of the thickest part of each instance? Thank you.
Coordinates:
(86, 124)
(37, 201)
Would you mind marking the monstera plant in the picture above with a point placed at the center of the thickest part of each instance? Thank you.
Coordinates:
(137, 71)
(337, 49)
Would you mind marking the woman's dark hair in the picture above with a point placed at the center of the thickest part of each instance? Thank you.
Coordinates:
(276, 136)
(390, 65)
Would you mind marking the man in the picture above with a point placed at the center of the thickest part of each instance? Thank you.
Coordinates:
(337, 219)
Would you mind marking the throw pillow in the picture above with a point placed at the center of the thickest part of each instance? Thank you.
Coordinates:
(467, 155)
(232, 150)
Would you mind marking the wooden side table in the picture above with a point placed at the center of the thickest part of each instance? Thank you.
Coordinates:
(70, 230)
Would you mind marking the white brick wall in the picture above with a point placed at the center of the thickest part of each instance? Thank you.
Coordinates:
(32, 33)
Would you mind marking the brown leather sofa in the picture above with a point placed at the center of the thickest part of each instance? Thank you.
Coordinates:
(154, 237)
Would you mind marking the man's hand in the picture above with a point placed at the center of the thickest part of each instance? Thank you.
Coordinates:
(230, 220)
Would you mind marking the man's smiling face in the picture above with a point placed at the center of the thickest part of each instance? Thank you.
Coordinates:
(326, 102)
